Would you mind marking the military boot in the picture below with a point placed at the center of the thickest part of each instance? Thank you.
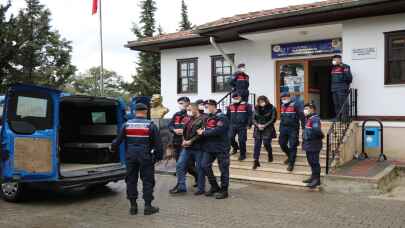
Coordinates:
(133, 210)
(290, 167)
(223, 194)
(149, 209)
(314, 183)
(213, 190)
(256, 164)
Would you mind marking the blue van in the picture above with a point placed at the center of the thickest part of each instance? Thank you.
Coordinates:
(56, 140)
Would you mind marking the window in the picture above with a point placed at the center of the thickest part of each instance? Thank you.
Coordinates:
(98, 118)
(31, 107)
(187, 75)
(395, 58)
(221, 73)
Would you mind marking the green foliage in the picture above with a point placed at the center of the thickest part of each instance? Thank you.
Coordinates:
(146, 82)
(185, 23)
(88, 83)
(37, 54)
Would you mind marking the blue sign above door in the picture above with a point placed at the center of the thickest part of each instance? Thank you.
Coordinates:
(318, 47)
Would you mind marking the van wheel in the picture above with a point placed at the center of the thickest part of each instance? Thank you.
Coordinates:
(11, 191)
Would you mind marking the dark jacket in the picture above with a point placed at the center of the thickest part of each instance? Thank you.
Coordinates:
(240, 115)
(190, 131)
(265, 116)
(341, 78)
(215, 136)
(141, 136)
(313, 134)
(240, 81)
(291, 116)
(177, 123)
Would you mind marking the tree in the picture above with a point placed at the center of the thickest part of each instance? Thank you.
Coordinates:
(146, 81)
(88, 83)
(185, 23)
(40, 55)
(7, 46)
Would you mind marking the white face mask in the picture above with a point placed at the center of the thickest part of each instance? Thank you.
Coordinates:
(235, 100)
(285, 101)
(242, 69)
(189, 113)
(307, 112)
(262, 104)
(334, 62)
(201, 107)
(181, 107)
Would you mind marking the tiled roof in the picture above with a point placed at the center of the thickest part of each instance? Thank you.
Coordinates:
(238, 19)
(167, 37)
(271, 12)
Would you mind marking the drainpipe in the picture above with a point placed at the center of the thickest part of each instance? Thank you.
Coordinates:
(215, 45)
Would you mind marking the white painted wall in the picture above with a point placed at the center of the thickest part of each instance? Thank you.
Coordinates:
(375, 99)
(256, 55)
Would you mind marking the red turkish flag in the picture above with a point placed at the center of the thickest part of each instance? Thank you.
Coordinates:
(95, 6)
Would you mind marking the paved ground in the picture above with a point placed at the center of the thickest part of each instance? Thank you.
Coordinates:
(249, 206)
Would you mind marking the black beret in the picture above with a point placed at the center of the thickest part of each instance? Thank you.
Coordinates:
(141, 107)
(211, 102)
(185, 99)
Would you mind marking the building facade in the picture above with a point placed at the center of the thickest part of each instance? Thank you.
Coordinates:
(290, 49)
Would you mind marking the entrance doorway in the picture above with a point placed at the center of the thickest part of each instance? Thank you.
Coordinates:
(319, 87)
(309, 81)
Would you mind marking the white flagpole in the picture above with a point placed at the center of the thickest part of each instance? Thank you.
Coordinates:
(101, 53)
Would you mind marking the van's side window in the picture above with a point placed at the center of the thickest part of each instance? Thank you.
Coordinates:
(34, 108)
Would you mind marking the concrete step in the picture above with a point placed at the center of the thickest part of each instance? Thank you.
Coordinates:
(277, 147)
(251, 140)
(280, 156)
(273, 178)
(272, 168)
(278, 160)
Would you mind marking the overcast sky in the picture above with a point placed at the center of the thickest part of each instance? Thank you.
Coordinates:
(74, 21)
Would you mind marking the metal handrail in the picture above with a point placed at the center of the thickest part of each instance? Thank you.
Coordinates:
(222, 104)
(339, 127)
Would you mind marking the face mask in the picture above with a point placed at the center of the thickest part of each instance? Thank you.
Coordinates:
(334, 62)
(307, 112)
(262, 104)
(235, 101)
(206, 111)
(189, 113)
(242, 69)
(285, 101)
(181, 107)
(201, 107)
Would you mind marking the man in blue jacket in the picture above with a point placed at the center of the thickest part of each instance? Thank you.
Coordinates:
(143, 150)
(216, 147)
(341, 80)
(239, 113)
(312, 144)
(290, 119)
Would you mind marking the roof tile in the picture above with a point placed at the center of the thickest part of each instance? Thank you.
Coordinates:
(235, 19)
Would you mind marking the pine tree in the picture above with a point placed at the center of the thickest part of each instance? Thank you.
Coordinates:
(7, 46)
(146, 82)
(42, 56)
(185, 23)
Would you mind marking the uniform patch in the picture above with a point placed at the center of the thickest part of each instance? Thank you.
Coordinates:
(141, 130)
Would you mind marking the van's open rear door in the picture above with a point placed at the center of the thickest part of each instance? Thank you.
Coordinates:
(29, 134)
